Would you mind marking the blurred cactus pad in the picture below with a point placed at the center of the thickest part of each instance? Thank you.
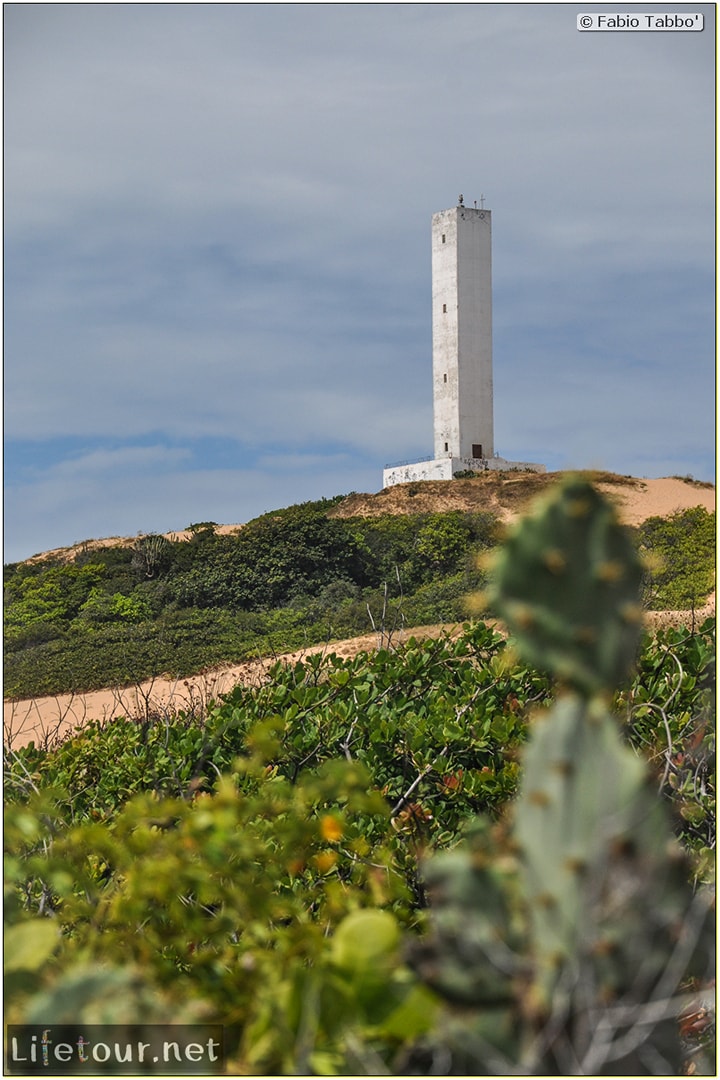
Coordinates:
(569, 932)
(566, 583)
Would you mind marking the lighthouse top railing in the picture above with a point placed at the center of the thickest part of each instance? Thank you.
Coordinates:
(415, 461)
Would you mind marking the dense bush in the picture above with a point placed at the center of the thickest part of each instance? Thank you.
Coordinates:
(680, 551)
(395, 711)
(447, 709)
(181, 642)
(258, 864)
(291, 578)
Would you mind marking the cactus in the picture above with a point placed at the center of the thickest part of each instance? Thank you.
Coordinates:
(468, 957)
(472, 957)
(568, 942)
(600, 873)
(566, 584)
(150, 553)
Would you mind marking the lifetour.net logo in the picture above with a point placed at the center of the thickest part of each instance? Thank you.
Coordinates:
(114, 1050)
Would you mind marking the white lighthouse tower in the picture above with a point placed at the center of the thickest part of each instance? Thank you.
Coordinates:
(462, 333)
(462, 351)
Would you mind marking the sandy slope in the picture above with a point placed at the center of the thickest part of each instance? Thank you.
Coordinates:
(510, 494)
(658, 498)
(46, 719)
(52, 717)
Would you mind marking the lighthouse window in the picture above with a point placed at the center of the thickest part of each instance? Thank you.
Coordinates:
(444, 309)
(444, 378)
(446, 446)
(443, 238)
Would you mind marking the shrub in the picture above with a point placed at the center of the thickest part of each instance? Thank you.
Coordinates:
(681, 553)
(257, 866)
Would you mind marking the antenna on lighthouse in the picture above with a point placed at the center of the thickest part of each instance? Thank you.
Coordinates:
(462, 362)
(482, 202)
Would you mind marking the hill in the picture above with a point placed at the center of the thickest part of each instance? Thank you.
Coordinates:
(192, 616)
(506, 494)
(374, 864)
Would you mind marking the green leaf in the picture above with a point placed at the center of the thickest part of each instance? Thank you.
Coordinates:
(364, 938)
(29, 944)
(414, 1017)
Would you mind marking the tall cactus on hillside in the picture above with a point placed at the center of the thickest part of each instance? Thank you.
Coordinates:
(150, 553)
(569, 941)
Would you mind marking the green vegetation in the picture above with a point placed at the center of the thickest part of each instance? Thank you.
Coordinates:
(288, 579)
(451, 857)
(561, 940)
(680, 552)
(295, 577)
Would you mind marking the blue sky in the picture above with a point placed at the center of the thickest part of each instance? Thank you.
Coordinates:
(217, 249)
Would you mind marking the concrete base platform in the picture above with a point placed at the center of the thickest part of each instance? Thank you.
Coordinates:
(446, 468)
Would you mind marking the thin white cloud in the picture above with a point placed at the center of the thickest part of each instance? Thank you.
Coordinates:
(217, 224)
(64, 508)
(97, 465)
